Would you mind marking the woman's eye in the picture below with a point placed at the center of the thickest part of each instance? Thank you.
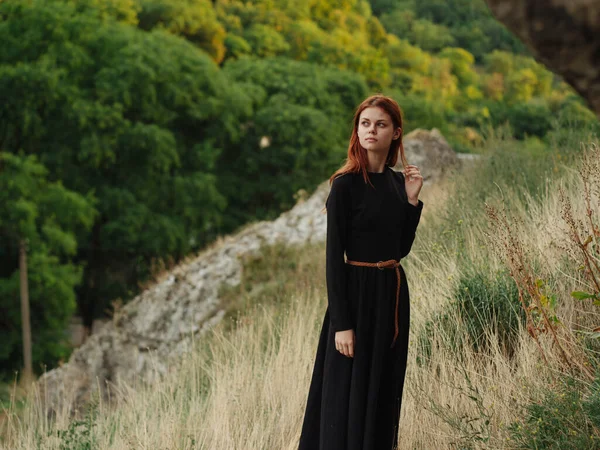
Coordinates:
(382, 124)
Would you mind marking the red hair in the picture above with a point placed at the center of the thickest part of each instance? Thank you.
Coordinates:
(357, 155)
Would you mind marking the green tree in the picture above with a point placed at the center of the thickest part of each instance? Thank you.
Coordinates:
(237, 46)
(399, 22)
(520, 86)
(419, 113)
(575, 114)
(47, 216)
(344, 52)
(530, 119)
(500, 62)
(376, 32)
(533, 118)
(462, 65)
(297, 136)
(438, 85)
(544, 78)
(125, 11)
(252, 13)
(469, 23)
(430, 36)
(265, 40)
(137, 118)
(381, 7)
(195, 20)
(473, 39)
(403, 55)
(302, 35)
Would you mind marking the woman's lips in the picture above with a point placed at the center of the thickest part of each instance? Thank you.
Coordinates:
(371, 139)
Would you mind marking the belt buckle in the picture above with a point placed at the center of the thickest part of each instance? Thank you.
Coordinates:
(380, 268)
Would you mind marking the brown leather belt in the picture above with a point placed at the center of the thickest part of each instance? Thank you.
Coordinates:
(390, 263)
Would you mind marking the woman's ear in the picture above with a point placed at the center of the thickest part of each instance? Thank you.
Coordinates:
(397, 133)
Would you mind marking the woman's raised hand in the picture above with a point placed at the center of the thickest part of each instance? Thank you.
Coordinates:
(413, 181)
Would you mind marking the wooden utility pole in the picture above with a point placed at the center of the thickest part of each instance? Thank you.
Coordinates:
(25, 320)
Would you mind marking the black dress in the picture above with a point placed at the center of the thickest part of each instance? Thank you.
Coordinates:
(354, 403)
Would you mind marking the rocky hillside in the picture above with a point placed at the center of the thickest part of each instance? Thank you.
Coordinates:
(562, 34)
(155, 328)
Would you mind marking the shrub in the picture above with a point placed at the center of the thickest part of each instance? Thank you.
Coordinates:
(567, 417)
(487, 307)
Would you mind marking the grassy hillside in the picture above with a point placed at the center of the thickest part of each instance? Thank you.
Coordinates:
(476, 377)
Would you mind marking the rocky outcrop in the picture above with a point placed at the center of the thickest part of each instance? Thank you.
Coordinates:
(430, 152)
(562, 34)
(154, 329)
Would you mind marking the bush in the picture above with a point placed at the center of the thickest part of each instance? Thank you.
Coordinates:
(567, 417)
(487, 308)
(531, 118)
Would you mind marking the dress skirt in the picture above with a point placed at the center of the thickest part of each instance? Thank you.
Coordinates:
(354, 403)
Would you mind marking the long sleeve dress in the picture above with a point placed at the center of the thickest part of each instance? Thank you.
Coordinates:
(354, 403)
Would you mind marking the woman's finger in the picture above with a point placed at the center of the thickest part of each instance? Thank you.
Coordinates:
(351, 350)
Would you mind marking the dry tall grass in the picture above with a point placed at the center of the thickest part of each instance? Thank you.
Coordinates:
(245, 387)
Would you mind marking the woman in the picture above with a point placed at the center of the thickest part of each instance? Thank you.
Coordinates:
(372, 214)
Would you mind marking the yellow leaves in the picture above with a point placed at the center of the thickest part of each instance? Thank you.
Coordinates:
(473, 93)
(520, 86)
(544, 300)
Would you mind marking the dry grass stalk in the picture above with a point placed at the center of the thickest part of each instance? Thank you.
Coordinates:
(588, 248)
(582, 245)
(540, 317)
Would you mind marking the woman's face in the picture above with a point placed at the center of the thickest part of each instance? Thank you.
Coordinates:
(376, 129)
